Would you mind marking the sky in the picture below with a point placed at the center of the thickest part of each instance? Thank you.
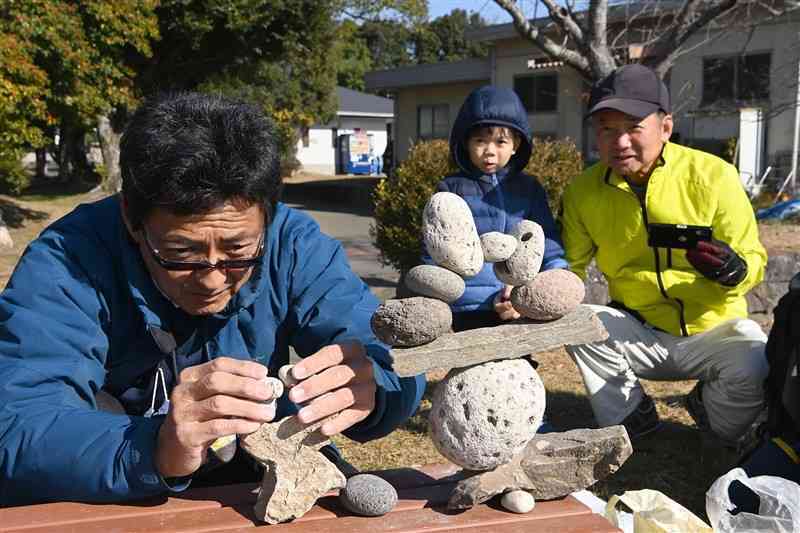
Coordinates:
(490, 11)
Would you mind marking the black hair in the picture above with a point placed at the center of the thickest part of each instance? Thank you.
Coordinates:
(516, 137)
(190, 152)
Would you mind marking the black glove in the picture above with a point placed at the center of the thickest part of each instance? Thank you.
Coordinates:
(717, 261)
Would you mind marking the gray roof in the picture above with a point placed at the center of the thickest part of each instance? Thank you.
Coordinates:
(431, 74)
(362, 104)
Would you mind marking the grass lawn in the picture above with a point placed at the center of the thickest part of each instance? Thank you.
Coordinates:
(676, 461)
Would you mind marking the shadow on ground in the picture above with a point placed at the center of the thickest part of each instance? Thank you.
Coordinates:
(340, 196)
(15, 215)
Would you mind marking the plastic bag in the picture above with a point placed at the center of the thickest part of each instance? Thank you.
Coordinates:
(779, 508)
(653, 512)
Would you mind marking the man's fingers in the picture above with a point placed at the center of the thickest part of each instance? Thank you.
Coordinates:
(223, 383)
(221, 406)
(361, 397)
(327, 357)
(344, 420)
(228, 365)
(326, 381)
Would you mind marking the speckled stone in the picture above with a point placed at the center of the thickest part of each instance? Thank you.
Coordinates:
(497, 246)
(525, 262)
(482, 415)
(368, 495)
(435, 282)
(450, 236)
(411, 321)
(518, 501)
(551, 295)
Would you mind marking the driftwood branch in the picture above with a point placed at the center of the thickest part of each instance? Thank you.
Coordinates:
(519, 338)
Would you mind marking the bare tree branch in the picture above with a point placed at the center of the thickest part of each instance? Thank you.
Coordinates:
(529, 31)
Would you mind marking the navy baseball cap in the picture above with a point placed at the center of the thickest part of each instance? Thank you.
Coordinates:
(635, 90)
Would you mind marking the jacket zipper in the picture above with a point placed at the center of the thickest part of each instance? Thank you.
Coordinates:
(657, 256)
(500, 201)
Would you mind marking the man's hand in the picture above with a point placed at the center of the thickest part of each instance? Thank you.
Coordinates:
(222, 397)
(502, 304)
(717, 261)
(339, 380)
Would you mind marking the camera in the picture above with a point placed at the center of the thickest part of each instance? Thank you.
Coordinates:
(683, 236)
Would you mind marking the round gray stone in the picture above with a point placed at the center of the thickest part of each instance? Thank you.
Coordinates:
(497, 246)
(411, 321)
(435, 282)
(368, 495)
(483, 415)
(450, 236)
(285, 375)
(551, 295)
(525, 262)
(518, 501)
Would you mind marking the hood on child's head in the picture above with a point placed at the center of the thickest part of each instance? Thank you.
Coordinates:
(491, 105)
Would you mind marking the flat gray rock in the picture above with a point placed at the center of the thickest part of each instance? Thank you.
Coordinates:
(497, 246)
(435, 282)
(411, 321)
(368, 495)
(515, 339)
(482, 415)
(552, 465)
(296, 474)
(450, 236)
(551, 295)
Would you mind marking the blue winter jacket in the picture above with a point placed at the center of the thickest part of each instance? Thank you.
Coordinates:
(498, 201)
(77, 316)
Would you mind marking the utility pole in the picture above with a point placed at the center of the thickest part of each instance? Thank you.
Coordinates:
(796, 146)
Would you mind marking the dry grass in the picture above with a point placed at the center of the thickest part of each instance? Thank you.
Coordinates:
(676, 460)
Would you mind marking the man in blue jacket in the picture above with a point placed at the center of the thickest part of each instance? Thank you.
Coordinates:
(177, 298)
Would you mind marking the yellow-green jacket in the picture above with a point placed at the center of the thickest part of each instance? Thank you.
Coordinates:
(603, 218)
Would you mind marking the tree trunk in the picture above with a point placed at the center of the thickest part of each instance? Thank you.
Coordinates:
(73, 165)
(41, 163)
(109, 145)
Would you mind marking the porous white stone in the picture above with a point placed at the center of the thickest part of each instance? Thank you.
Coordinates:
(551, 295)
(450, 236)
(411, 321)
(497, 246)
(276, 385)
(482, 415)
(518, 501)
(368, 495)
(435, 282)
(525, 262)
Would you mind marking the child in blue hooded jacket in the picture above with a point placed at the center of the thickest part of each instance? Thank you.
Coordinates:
(491, 144)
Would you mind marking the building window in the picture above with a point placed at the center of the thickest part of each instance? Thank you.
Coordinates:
(433, 121)
(539, 93)
(742, 78)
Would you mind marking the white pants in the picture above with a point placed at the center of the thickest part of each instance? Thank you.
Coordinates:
(728, 358)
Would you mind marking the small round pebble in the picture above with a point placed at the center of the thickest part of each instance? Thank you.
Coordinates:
(518, 501)
(368, 495)
(285, 374)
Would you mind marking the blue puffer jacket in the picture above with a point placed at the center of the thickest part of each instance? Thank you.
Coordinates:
(77, 316)
(498, 201)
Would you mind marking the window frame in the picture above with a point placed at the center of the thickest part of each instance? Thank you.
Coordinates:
(433, 132)
(736, 98)
(534, 109)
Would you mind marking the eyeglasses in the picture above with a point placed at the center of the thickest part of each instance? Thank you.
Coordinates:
(222, 264)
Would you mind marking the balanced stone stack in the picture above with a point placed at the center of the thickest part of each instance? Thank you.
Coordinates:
(482, 416)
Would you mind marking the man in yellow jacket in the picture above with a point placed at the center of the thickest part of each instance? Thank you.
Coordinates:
(678, 311)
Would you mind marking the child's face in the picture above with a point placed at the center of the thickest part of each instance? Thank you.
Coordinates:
(490, 149)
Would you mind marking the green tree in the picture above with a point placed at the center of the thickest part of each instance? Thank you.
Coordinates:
(449, 31)
(352, 56)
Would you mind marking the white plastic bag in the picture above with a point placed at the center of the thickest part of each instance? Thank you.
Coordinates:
(653, 512)
(778, 512)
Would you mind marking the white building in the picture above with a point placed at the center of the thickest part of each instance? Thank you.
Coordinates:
(362, 126)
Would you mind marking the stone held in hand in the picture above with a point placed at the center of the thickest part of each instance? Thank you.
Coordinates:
(552, 465)
(411, 321)
(525, 262)
(435, 282)
(450, 236)
(551, 295)
(518, 501)
(497, 246)
(285, 375)
(368, 495)
(482, 415)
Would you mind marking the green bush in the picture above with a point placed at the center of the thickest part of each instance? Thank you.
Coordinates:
(13, 178)
(554, 162)
(400, 199)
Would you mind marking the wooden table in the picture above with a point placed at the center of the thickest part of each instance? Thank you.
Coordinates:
(423, 493)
